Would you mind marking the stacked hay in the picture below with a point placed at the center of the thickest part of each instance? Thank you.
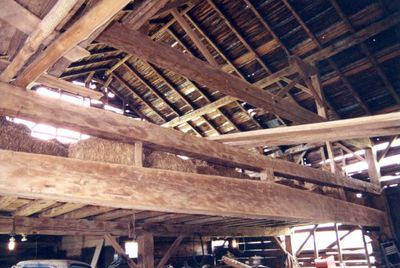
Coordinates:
(17, 137)
(97, 149)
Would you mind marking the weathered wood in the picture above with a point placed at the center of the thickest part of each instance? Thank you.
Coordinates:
(370, 126)
(199, 112)
(45, 28)
(111, 240)
(86, 211)
(43, 226)
(189, 31)
(60, 210)
(234, 263)
(5, 201)
(28, 105)
(329, 51)
(102, 12)
(145, 249)
(96, 254)
(138, 154)
(64, 179)
(27, 22)
(170, 252)
(54, 82)
(166, 57)
(190, 229)
(33, 207)
(374, 172)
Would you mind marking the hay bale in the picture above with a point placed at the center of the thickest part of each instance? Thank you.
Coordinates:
(17, 137)
(96, 149)
(163, 160)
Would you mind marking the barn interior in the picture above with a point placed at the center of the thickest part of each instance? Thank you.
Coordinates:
(187, 133)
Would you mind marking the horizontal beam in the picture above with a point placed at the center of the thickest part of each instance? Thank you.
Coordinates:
(355, 128)
(54, 82)
(104, 124)
(70, 180)
(189, 230)
(203, 73)
(45, 226)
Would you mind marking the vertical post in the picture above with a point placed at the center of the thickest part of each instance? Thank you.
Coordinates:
(339, 245)
(267, 175)
(96, 255)
(316, 251)
(138, 154)
(373, 167)
(145, 250)
(288, 244)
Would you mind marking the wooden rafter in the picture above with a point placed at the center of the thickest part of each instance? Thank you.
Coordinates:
(311, 35)
(203, 73)
(329, 51)
(368, 53)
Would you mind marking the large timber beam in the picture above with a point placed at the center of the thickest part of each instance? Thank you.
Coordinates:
(203, 73)
(362, 127)
(29, 105)
(71, 180)
(190, 229)
(45, 226)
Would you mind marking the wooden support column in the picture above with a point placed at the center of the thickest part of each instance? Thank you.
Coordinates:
(267, 175)
(288, 244)
(145, 250)
(339, 246)
(139, 154)
(373, 166)
(96, 255)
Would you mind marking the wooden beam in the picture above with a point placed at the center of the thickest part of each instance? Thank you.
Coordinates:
(337, 47)
(190, 229)
(329, 51)
(54, 82)
(6, 201)
(42, 226)
(61, 179)
(145, 249)
(33, 207)
(234, 263)
(29, 105)
(374, 172)
(111, 240)
(96, 254)
(170, 252)
(45, 28)
(60, 210)
(97, 16)
(362, 127)
(194, 69)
